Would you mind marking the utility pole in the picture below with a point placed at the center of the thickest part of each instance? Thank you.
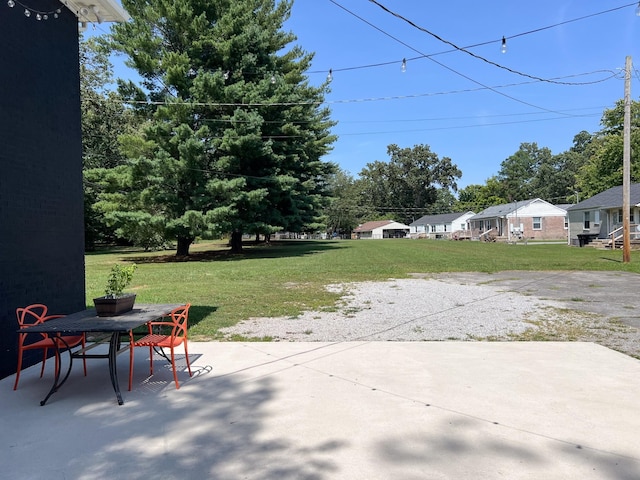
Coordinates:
(626, 164)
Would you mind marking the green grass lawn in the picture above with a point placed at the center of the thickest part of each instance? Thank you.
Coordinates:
(286, 278)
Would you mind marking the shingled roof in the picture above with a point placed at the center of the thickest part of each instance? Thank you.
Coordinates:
(369, 226)
(501, 210)
(611, 198)
(437, 219)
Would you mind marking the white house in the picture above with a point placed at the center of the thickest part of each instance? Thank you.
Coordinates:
(441, 226)
(381, 229)
(535, 219)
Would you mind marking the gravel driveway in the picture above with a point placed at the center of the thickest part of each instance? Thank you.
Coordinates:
(600, 307)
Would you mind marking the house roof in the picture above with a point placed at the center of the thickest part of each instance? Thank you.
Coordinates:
(369, 226)
(611, 198)
(564, 206)
(438, 219)
(97, 11)
(501, 210)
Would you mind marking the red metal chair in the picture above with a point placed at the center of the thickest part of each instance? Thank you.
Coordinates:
(177, 324)
(34, 315)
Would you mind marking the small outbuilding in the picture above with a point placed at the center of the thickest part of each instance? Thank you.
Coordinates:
(381, 229)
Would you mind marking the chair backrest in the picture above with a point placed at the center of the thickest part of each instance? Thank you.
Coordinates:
(179, 317)
(32, 315)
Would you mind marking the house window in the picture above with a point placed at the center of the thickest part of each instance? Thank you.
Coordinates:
(596, 218)
(621, 218)
(587, 220)
(433, 229)
(463, 226)
(445, 228)
(566, 223)
(537, 223)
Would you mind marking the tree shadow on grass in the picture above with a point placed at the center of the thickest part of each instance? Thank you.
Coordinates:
(278, 249)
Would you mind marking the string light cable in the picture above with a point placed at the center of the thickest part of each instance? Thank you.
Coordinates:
(488, 42)
(446, 67)
(464, 50)
(37, 14)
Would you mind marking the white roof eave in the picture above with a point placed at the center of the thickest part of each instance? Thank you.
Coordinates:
(97, 11)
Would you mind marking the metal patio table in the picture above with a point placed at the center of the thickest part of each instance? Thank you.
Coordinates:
(87, 321)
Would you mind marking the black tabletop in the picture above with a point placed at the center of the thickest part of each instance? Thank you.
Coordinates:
(88, 321)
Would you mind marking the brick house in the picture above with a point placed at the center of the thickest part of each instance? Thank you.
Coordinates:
(530, 219)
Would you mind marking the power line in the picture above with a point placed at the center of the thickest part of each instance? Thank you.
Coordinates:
(362, 100)
(459, 127)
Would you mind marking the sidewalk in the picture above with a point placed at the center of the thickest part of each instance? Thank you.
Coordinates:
(360, 410)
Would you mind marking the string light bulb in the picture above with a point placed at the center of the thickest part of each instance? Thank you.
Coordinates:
(273, 79)
(503, 49)
(638, 9)
(403, 67)
(330, 75)
(30, 12)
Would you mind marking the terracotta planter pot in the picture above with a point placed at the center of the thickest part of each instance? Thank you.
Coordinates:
(111, 307)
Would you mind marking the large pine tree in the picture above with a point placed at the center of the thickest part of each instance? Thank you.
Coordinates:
(235, 134)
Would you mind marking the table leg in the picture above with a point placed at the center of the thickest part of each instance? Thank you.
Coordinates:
(56, 383)
(114, 346)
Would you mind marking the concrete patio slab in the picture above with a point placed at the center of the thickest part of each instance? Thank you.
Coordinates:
(357, 410)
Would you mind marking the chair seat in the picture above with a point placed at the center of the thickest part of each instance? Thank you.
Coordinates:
(178, 325)
(36, 314)
(156, 340)
(71, 341)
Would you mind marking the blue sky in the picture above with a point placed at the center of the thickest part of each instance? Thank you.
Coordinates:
(464, 107)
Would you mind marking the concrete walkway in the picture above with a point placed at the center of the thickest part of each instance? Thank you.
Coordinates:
(361, 410)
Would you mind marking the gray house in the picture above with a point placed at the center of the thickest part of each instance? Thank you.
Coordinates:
(440, 226)
(601, 216)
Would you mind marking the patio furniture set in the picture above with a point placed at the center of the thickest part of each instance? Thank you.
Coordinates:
(166, 328)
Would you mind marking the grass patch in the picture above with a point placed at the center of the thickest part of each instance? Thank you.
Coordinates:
(287, 278)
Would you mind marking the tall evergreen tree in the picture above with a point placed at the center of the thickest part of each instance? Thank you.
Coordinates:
(235, 133)
(104, 119)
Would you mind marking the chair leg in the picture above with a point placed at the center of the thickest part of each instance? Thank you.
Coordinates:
(186, 356)
(150, 360)
(20, 353)
(175, 373)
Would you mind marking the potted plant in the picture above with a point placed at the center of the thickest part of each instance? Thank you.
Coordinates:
(115, 302)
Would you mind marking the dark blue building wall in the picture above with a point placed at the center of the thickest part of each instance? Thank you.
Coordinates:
(41, 201)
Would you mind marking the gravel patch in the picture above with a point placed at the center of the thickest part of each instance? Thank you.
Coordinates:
(438, 309)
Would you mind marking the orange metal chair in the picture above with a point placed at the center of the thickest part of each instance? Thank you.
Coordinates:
(34, 315)
(177, 323)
